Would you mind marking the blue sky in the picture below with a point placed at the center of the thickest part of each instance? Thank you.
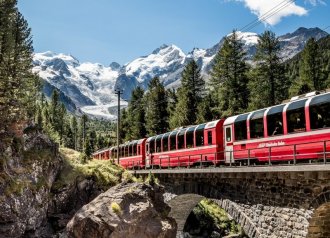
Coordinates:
(121, 30)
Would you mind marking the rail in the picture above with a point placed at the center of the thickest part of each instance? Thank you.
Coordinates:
(302, 153)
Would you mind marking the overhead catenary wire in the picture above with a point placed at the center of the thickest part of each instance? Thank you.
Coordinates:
(257, 23)
(266, 15)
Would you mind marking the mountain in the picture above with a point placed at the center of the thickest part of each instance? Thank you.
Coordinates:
(293, 43)
(84, 87)
(90, 87)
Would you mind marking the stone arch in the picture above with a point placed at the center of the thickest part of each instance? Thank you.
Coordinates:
(182, 205)
(319, 223)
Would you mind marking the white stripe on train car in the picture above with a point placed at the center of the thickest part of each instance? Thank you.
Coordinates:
(288, 136)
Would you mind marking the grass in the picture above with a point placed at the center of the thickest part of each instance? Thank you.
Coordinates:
(151, 179)
(104, 172)
(219, 216)
(116, 208)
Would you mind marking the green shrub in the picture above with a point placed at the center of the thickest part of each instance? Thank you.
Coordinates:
(151, 179)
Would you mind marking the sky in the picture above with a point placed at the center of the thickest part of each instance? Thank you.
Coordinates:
(105, 31)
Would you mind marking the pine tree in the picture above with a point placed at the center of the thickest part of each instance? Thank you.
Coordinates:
(93, 140)
(136, 115)
(156, 108)
(18, 85)
(39, 120)
(67, 136)
(74, 129)
(54, 110)
(83, 131)
(204, 109)
(268, 85)
(190, 94)
(229, 78)
(62, 125)
(123, 125)
(181, 116)
(172, 100)
(88, 150)
(310, 74)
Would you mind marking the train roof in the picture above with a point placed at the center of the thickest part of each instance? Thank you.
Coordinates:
(101, 150)
(211, 124)
(313, 97)
(206, 125)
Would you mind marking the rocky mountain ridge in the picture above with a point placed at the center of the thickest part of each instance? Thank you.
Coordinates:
(90, 87)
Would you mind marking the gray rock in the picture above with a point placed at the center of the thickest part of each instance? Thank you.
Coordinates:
(141, 213)
(26, 193)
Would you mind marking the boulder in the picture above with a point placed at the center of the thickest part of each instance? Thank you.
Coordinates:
(129, 210)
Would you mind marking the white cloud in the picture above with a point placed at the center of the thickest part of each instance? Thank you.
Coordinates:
(272, 11)
(316, 2)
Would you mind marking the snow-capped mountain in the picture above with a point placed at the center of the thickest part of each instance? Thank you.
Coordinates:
(89, 87)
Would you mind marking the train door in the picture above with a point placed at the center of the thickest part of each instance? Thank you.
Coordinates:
(229, 144)
(148, 155)
(150, 149)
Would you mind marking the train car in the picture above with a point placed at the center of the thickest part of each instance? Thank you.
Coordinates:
(294, 131)
(187, 146)
(131, 154)
(103, 154)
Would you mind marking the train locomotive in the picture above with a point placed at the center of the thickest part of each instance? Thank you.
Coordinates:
(294, 131)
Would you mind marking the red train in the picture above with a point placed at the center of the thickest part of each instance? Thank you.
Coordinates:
(294, 131)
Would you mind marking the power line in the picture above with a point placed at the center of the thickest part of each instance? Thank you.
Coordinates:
(264, 16)
(270, 14)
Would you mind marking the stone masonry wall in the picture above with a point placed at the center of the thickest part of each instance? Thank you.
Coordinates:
(276, 204)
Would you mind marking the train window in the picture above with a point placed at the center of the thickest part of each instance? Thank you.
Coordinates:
(257, 124)
(240, 127)
(134, 149)
(165, 141)
(199, 135)
(173, 140)
(181, 139)
(295, 116)
(126, 150)
(209, 137)
(275, 121)
(228, 134)
(138, 150)
(319, 111)
(121, 151)
(257, 128)
(158, 143)
(190, 137)
(152, 146)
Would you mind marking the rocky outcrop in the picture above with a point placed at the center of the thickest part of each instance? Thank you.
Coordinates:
(126, 210)
(28, 169)
(66, 201)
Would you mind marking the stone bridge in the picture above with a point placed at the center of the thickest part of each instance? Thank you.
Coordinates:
(274, 201)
